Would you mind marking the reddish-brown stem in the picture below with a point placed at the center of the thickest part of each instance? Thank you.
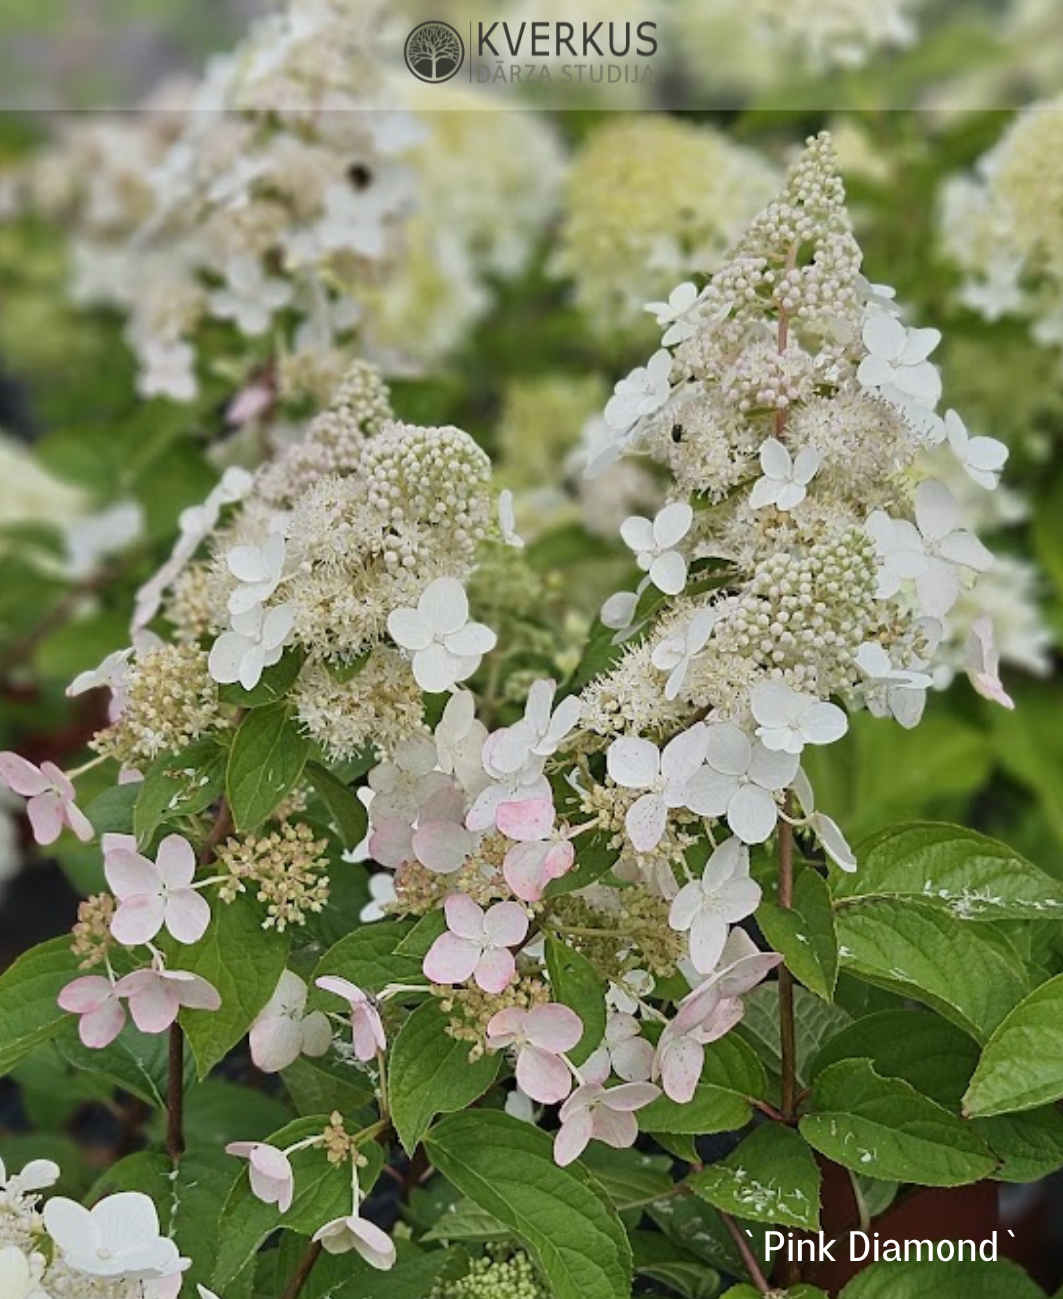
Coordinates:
(175, 1095)
(787, 1033)
(787, 1027)
(748, 1257)
(767, 1109)
(302, 1272)
(221, 829)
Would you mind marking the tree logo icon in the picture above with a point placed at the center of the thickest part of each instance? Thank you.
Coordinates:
(434, 51)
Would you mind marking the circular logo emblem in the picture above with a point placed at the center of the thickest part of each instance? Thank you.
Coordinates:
(434, 51)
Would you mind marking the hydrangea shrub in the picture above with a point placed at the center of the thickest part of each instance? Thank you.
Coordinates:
(521, 961)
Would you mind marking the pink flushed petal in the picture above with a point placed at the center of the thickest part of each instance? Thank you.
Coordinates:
(442, 846)
(59, 781)
(111, 842)
(21, 776)
(194, 992)
(543, 1076)
(80, 823)
(391, 844)
(645, 822)
(630, 1096)
(530, 819)
(187, 915)
(176, 861)
(727, 1014)
(572, 1137)
(272, 1166)
(45, 812)
(275, 1043)
(553, 1027)
(350, 992)
(451, 959)
(991, 688)
(505, 1026)
(632, 1060)
(128, 873)
(367, 1032)
(465, 918)
(85, 995)
(138, 919)
(154, 1008)
(679, 1063)
(495, 970)
(241, 1149)
(484, 810)
(373, 1244)
(618, 1129)
(506, 924)
(524, 870)
(100, 1027)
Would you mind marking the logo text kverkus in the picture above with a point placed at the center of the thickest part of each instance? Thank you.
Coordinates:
(434, 51)
(553, 39)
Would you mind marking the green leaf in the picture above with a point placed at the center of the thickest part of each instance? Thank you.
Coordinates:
(927, 1051)
(961, 872)
(112, 811)
(466, 1221)
(507, 1168)
(804, 933)
(1028, 1145)
(136, 1062)
(244, 962)
(943, 1279)
(275, 683)
(180, 785)
(909, 947)
(370, 959)
(411, 1278)
(815, 1021)
(265, 763)
(419, 940)
(187, 1200)
(430, 1073)
(1022, 1064)
(629, 1178)
(217, 1112)
(770, 1177)
(576, 983)
(731, 1075)
(326, 1084)
(29, 1012)
(345, 807)
(698, 1227)
(662, 1260)
(883, 1128)
(322, 1192)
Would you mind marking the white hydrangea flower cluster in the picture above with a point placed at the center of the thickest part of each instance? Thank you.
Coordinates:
(1001, 225)
(63, 1251)
(808, 553)
(271, 206)
(633, 224)
(808, 37)
(349, 550)
(488, 184)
